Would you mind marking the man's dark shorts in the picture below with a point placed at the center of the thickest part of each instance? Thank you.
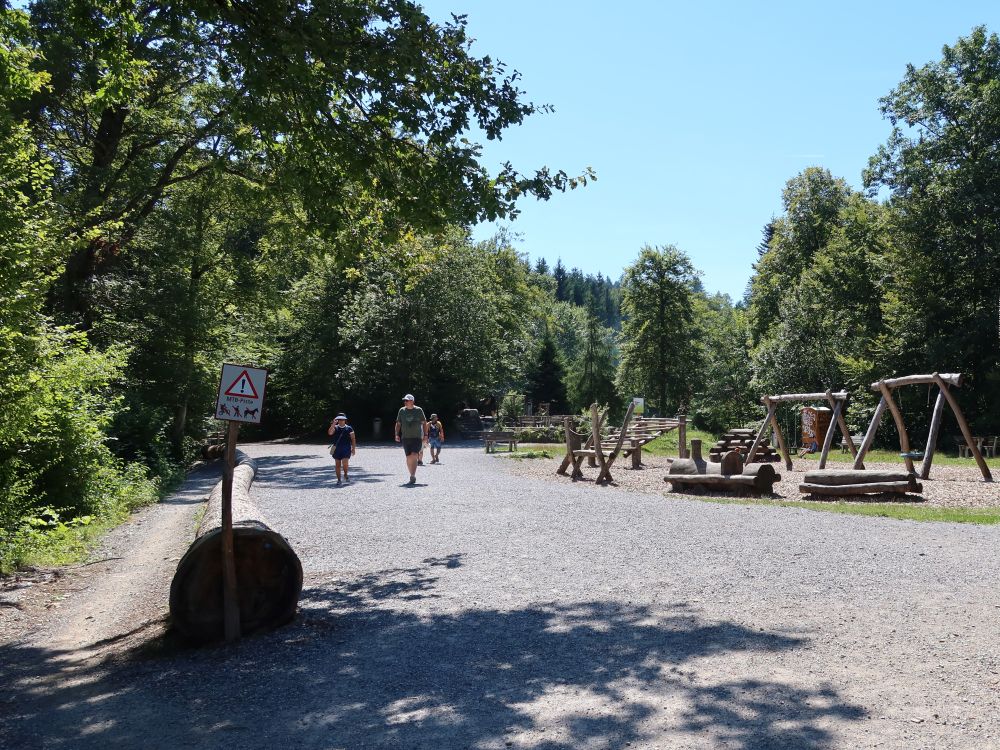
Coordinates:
(411, 445)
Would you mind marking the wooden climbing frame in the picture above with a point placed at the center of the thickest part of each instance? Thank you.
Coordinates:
(837, 402)
(943, 382)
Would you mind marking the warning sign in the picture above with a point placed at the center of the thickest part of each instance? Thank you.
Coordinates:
(241, 393)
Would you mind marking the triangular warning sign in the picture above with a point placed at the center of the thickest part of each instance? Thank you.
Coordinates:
(242, 386)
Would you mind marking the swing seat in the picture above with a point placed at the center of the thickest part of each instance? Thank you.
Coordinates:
(914, 455)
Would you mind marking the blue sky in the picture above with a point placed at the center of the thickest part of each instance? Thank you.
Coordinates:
(694, 115)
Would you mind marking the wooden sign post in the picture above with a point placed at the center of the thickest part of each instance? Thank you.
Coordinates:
(241, 399)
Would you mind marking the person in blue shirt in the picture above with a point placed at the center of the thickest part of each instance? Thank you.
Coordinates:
(344, 444)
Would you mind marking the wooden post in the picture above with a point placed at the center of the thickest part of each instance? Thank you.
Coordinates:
(844, 429)
(771, 407)
(932, 436)
(964, 426)
(781, 440)
(571, 444)
(230, 596)
(870, 435)
(828, 440)
(682, 450)
(897, 417)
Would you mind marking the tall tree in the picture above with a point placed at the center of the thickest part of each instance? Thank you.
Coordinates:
(658, 354)
(546, 376)
(592, 379)
(942, 164)
(559, 273)
(359, 108)
(812, 202)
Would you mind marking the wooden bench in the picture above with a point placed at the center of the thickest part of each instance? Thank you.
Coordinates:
(856, 439)
(492, 439)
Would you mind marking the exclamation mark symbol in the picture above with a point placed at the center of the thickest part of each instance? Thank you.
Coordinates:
(243, 385)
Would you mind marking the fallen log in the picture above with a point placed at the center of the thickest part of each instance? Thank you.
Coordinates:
(870, 488)
(268, 572)
(748, 483)
(852, 476)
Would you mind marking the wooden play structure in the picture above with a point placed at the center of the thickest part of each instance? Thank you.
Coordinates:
(601, 450)
(729, 474)
(943, 382)
(837, 402)
(739, 439)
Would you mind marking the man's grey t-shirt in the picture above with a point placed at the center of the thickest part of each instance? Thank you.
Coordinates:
(411, 422)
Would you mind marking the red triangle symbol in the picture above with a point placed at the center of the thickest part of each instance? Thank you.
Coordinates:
(246, 389)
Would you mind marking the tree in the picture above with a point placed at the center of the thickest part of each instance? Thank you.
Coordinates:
(942, 165)
(658, 353)
(358, 108)
(559, 274)
(724, 396)
(592, 379)
(812, 201)
(547, 374)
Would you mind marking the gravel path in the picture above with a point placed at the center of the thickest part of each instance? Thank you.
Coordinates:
(485, 609)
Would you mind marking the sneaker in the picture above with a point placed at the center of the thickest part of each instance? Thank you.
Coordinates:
(413, 480)
(420, 463)
(346, 479)
(338, 480)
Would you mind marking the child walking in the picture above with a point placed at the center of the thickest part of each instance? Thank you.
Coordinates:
(435, 436)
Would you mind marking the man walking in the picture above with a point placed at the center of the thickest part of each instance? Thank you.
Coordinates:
(411, 432)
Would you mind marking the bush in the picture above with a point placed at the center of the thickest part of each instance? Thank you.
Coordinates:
(54, 459)
(541, 435)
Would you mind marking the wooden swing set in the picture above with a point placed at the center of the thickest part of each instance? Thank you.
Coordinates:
(942, 381)
(837, 402)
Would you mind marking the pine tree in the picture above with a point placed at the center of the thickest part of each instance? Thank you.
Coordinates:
(547, 375)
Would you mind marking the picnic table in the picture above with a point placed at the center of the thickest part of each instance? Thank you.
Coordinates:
(500, 437)
(987, 445)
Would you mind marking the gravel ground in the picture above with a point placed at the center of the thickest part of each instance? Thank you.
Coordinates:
(947, 486)
(486, 608)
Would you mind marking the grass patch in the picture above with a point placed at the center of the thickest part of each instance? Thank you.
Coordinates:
(666, 445)
(533, 452)
(48, 539)
(904, 511)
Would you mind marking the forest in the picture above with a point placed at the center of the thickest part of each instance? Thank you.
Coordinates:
(293, 186)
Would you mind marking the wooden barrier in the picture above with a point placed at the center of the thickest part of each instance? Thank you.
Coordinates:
(858, 482)
(268, 572)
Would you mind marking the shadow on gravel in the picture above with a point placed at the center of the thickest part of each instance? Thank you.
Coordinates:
(197, 485)
(289, 471)
(359, 668)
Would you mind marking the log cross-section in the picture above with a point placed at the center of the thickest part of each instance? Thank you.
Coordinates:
(268, 572)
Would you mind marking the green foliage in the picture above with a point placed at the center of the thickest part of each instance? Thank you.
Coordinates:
(591, 378)
(942, 164)
(658, 353)
(541, 435)
(546, 376)
(511, 407)
(723, 393)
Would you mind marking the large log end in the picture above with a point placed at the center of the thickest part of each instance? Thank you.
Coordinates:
(269, 582)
